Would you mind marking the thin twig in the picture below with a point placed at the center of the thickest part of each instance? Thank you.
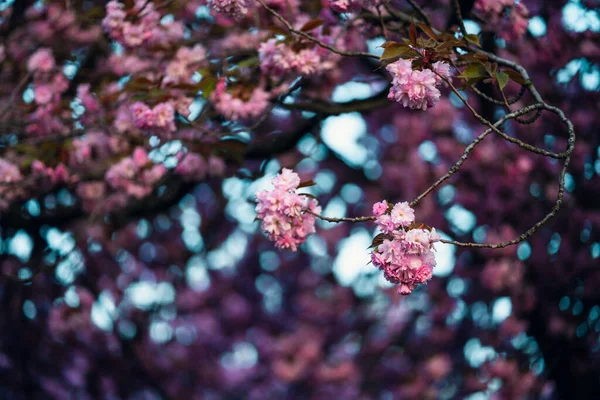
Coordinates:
(419, 11)
(470, 148)
(461, 22)
(314, 39)
(338, 220)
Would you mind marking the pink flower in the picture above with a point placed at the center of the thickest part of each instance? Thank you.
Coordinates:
(386, 223)
(140, 158)
(508, 18)
(380, 208)
(216, 166)
(234, 108)
(235, 9)
(287, 180)
(135, 175)
(87, 99)
(43, 94)
(192, 167)
(413, 88)
(403, 214)
(41, 61)
(405, 257)
(8, 173)
(345, 6)
(282, 212)
(161, 118)
(443, 69)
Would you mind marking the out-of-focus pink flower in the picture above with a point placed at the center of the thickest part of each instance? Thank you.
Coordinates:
(380, 208)
(235, 108)
(235, 9)
(41, 61)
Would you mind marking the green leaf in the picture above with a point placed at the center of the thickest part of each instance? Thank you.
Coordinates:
(394, 51)
(502, 79)
(474, 71)
(473, 39)
(515, 76)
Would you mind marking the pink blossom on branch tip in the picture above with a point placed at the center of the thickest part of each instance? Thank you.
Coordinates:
(405, 257)
(283, 212)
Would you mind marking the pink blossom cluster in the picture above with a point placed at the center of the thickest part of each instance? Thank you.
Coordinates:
(126, 64)
(346, 6)
(9, 174)
(94, 148)
(48, 86)
(235, 9)
(239, 41)
(131, 33)
(509, 18)
(53, 20)
(416, 89)
(406, 255)
(135, 175)
(160, 118)
(194, 167)
(41, 61)
(282, 211)
(278, 59)
(234, 108)
(55, 176)
(185, 63)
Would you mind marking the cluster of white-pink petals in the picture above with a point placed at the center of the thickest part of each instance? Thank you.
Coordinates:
(235, 9)
(9, 174)
(283, 211)
(416, 89)
(135, 32)
(278, 59)
(135, 175)
(406, 255)
(159, 118)
(234, 108)
(185, 63)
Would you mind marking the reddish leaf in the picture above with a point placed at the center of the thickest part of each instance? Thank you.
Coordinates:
(428, 31)
(412, 33)
(377, 240)
(306, 184)
(312, 24)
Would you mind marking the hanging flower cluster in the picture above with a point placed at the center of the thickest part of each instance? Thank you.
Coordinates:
(416, 89)
(403, 253)
(283, 211)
